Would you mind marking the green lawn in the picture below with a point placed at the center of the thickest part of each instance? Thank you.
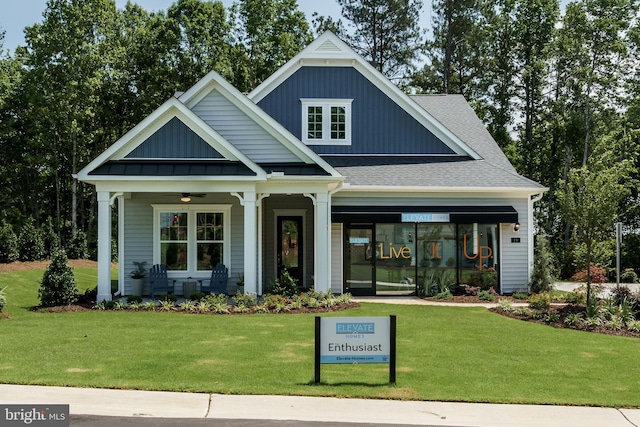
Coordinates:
(444, 353)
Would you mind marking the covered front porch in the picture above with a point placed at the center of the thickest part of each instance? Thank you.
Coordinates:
(255, 230)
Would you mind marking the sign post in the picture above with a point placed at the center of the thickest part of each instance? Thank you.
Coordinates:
(354, 340)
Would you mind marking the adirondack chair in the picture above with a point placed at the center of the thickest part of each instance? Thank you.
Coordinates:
(218, 282)
(159, 280)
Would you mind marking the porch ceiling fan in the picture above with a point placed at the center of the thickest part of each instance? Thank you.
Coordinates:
(186, 197)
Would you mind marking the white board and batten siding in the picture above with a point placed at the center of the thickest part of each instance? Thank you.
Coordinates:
(241, 130)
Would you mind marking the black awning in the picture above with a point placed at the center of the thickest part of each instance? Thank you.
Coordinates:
(394, 214)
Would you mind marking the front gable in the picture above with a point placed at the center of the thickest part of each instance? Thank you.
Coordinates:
(379, 125)
(385, 121)
(170, 142)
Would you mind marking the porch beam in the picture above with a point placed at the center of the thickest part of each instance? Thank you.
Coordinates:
(104, 246)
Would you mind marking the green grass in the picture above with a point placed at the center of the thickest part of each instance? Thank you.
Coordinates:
(444, 353)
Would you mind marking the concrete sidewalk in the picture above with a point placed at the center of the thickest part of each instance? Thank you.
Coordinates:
(129, 403)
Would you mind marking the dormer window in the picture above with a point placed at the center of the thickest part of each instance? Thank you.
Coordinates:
(326, 121)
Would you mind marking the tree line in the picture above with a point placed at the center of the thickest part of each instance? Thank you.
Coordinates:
(558, 88)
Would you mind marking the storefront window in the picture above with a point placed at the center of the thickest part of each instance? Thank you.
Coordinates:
(437, 258)
(478, 255)
(395, 259)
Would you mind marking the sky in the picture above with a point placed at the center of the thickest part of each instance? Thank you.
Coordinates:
(16, 15)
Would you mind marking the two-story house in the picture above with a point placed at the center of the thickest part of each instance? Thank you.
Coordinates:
(327, 170)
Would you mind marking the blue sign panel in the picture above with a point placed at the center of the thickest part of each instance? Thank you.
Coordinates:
(425, 217)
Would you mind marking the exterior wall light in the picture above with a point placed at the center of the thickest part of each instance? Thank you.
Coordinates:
(516, 226)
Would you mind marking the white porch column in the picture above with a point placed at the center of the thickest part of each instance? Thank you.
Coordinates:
(250, 242)
(104, 246)
(322, 274)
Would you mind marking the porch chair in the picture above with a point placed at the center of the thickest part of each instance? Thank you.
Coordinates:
(159, 281)
(218, 282)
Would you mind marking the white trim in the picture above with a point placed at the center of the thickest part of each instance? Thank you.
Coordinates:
(191, 210)
(326, 104)
(316, 54)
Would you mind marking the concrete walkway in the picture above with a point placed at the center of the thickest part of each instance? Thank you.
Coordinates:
(132, 403)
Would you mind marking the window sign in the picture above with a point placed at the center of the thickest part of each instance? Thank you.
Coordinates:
(425, 217)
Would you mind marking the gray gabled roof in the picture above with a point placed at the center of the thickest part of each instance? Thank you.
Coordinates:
(493, 170)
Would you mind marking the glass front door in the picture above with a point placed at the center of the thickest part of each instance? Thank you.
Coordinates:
(358, 261)
(290, 247)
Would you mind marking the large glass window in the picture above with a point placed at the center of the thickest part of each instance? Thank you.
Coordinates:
(192, 239)
(437, 257)
(173, 240)
(326, 121)
(478, 254)
(395, 259)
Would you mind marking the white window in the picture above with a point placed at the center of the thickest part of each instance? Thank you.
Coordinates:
(326, 121)
(193, 238)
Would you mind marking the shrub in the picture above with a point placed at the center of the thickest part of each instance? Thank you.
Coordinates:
(8, 243)
(444, 295)
(628, 276)
(520, 296)
(50, 239)
(470, 290)
(134, 298)
(246, 299)
(543, 268)
(575, 298)
(540, 302)
(3, 299)
(486, 296)
(283, 285)
(598, 275)
(77, 246)
(31, 242)
(58, 286)
(621, 293)
(505, 305)
(196, 296)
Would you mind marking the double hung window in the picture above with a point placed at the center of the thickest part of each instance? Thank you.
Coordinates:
(192, 238)
(326, 121)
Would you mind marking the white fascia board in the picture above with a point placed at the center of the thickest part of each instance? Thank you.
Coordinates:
(345, 56)
(214, 81)
(452, 191)
(161, 116)
(175, 186)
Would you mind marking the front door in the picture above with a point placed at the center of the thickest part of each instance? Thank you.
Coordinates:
(359, 271)
(290, 253)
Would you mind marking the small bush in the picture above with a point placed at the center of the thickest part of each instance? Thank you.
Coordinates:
(31, 242)
(8, 243)
(621, 293)
(77, 246)
(245, 299)
(168, 298)
(486, 296)
(444, 295)
(3, 299)
(598, 275)
(575, 298)
(58, 286)
(283, 285)
(196, 296)
(628, 276)
(134, 298)
(520, 296)
(540, 302)
(50, 239)
(470, 290)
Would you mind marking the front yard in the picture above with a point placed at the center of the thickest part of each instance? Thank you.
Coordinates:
(444, 353)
